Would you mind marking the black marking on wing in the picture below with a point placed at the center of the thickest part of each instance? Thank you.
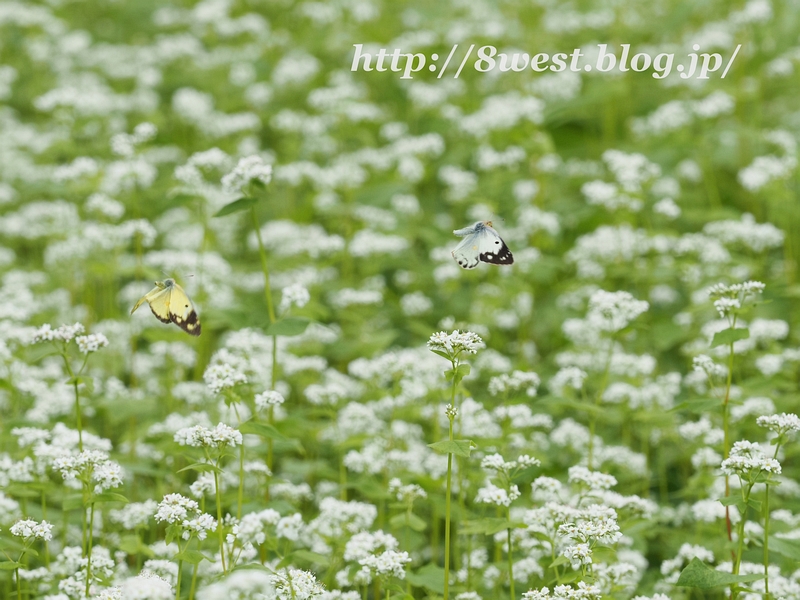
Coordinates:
(502, 257)
(159, 317)
(190, 325)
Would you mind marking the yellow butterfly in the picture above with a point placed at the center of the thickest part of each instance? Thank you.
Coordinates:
(170, 304)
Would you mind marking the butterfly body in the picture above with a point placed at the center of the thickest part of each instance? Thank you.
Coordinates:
(170, 304)
(481, 243)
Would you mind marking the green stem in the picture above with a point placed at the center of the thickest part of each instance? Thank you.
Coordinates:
(44, 518)
(178, 583)
(726, 439)
(264, 266)
(766, 544)
(240, 499)
(219, 521)
(89, 552)
(510, 560)
(593, 415)
(194, 583)
(447, 516)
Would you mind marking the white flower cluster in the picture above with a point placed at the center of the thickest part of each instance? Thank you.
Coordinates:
(747, 458)
(491, 494)
(65, 333)
(613, 311)
(91, 343)
(252, 526)
(199, 436)
(30, 530)
(705, 364)
(247, 169)
(518, 380)
(124, 144)
(90, 465)
(269, 398)
(406, 493)
(295, 584)
(455, 343)
(736, 290)
(386, 563)
(495, 462)
(584, 591)
(781, 424)
(365, 543)
(134, 515)
(592, 480)
(294, 295)
(146, 586)
(567, 377)
(223, 376)
(176, 509)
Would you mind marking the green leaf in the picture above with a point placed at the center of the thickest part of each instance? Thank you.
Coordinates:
(72, 502)
(430, 577)
(440, 353)
(193, 557)
(172, 532)
(289, 326)
(108, 497)
(728, 336)
(787, 548)
(263, 429)
(313, 557)
(10, 566)
(458, 373)
(730, 500)
(753, 503)
(561, 560)
(200, 466)
(489, 525)
(411, 521)
(132, 544)
(457, 447)
(236, 206)
(697, 574)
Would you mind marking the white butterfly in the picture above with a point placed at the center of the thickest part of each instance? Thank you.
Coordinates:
(481, 243)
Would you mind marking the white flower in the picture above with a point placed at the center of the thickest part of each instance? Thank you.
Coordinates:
(491, 494)
(30, 530)
(65, 333)
(613, 311)
(91, 343)
(223, 376)
(269, 398)
(747, 458)
(294, 295)
(175, 508)
(780, 424)
(389, 562)
(294, 584)
(220, 436)
(578, 555)
(247, 169)
(455, 343)
(147, 586)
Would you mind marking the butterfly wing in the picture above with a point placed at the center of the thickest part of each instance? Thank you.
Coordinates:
(467, 253)
(492, 249)
(181, 310)
(158, 294)
(158, 300)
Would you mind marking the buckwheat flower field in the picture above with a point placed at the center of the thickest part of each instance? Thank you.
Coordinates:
(469, 300)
